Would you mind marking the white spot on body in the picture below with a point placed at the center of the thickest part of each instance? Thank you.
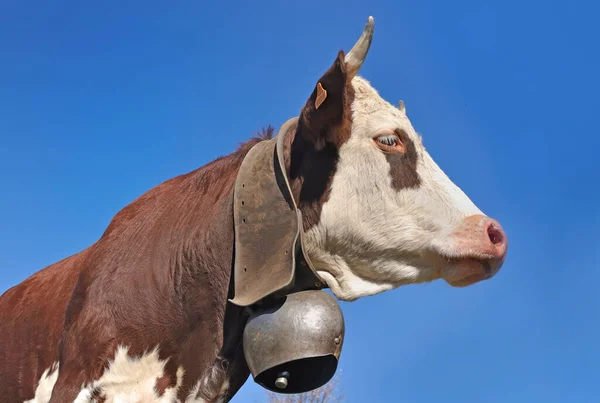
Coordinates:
(213, 386)
(132, 380)
(43, 391)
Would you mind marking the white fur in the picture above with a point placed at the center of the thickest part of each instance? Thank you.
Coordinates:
(370, 237)
(132, 379)
(212, 387)
(194, 398)
(43, 391)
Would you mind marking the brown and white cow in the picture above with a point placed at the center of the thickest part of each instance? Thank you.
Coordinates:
(142, 315)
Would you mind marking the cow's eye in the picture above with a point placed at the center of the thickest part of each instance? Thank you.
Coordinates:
(389, 143)
(389, 140)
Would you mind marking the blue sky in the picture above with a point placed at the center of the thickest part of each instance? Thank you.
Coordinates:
(100, 101)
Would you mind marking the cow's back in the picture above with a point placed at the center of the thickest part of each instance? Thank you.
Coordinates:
(31, 322)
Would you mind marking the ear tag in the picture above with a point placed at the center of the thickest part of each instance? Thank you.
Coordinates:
(321, 95)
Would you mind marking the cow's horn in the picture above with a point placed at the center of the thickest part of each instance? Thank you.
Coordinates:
(355, 58)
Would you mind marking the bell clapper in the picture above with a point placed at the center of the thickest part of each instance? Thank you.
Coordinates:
(282, 380)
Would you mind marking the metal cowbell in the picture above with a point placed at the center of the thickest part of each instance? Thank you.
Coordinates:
(293, 345)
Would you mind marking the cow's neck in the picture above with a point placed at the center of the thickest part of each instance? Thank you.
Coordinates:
(204, 259)
(202, 274)
(200, 236)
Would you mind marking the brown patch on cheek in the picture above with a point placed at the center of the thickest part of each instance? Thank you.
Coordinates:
(403, 166)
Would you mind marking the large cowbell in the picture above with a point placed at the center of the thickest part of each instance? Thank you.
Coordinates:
(293, 345)
(294, 336)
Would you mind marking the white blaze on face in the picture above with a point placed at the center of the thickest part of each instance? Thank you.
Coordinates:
(372, 235)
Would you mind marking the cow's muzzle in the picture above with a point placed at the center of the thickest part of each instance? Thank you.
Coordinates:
(479, 250)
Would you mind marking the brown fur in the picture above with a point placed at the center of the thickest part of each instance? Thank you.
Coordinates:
(160, 273)
(323, 131)
(403, 166)
(31, 320)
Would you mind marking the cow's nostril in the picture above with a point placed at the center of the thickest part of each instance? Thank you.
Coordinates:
(495, 234)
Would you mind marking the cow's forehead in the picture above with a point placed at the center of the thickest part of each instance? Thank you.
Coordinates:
(372, 113)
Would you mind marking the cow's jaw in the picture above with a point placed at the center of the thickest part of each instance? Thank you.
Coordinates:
(391, 221)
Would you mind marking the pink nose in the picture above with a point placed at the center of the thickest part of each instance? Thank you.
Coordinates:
(494, 234)
(484, 237)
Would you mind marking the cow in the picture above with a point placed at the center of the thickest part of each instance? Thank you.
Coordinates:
(144, 313)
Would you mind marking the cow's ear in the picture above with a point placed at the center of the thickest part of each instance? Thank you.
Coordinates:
(328, 107)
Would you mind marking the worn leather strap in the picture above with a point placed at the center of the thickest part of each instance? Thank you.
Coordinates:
(269, 255)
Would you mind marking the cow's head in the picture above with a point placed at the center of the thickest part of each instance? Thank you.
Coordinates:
(379, 213)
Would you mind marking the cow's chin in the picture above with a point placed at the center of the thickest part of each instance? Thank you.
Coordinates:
(465, 272)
